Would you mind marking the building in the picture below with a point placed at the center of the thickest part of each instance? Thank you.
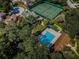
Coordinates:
(63, 40)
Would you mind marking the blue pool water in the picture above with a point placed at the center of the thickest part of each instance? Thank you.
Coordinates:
(46, 38)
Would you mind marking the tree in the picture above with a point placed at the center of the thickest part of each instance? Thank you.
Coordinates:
(39, 53)
(42, 52)
(15, 39)
(62, 2)
(72, 22)
(5, 5)
(76, 1)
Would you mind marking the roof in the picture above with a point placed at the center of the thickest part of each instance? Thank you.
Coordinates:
(62, 41)
(48, 10)
(49, 36)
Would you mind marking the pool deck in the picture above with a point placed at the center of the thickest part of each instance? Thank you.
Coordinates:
(53, 32)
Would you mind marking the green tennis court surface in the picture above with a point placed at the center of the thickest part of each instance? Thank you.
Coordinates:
(48, 10)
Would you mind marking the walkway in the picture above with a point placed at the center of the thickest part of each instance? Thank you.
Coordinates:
(72, 4)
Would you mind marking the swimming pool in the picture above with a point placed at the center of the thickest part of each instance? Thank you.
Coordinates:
(47, 38)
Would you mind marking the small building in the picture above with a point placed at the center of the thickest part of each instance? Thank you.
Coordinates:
(48, 10)
(63, 40)
(10, 18)
(49, 36)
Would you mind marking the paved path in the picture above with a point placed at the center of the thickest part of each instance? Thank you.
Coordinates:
(72, 4)
(73, 49)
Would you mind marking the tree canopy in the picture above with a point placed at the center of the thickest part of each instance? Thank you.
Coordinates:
(5, 5)
(15, 38)
(72, 22)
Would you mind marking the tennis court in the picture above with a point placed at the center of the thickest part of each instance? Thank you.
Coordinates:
(48, 10)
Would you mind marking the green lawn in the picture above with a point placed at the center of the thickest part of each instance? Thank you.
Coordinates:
(38, 27)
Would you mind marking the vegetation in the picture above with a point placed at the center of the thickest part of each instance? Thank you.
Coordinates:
(72, 22)
(76, 1)
(5, 5)
(14, 38)
(62, 2)
(16, 41)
